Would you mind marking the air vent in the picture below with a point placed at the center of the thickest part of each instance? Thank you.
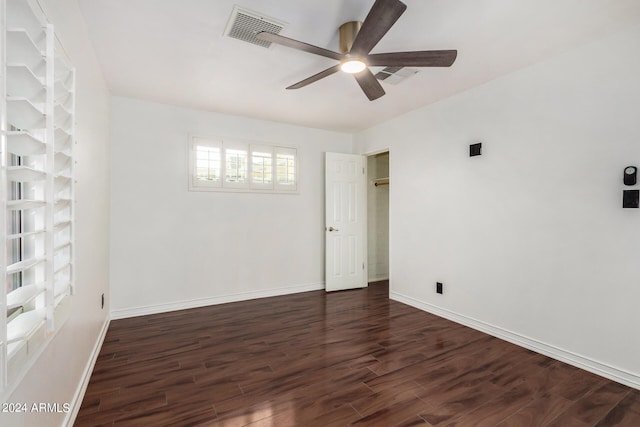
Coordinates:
(244, 24)
(395, 75)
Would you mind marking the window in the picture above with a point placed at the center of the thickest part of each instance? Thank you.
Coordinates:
(208, 163)
(37, 196)
(285, 168)
(208, 167)
(218, 164)
(235, 167)
(262, 167)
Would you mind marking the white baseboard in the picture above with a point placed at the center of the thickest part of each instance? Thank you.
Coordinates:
(201, 302)
(70, 418)
(598, 368)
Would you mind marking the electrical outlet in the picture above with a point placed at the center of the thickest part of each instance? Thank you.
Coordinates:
(439, 286)
(102, 301)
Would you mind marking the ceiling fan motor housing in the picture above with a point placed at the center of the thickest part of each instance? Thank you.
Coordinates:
(347, 34)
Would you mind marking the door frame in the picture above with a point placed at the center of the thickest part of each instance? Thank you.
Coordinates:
(365, 239)
(368, 154)
(361, 209)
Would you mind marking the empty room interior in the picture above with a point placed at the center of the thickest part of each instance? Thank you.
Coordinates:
(208, 221)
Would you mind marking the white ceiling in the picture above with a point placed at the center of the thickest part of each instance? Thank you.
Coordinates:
(175, 52)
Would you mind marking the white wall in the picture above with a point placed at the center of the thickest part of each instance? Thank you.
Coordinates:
(172, 248)
(57, 374)
(529, 239)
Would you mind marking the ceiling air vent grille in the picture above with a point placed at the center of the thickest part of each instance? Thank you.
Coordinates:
(245, 24)
(395, 75)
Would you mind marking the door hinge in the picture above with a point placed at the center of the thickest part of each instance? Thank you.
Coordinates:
(362, 171)
(363, 265)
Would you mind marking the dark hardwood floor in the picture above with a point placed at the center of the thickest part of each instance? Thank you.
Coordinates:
(346, 358)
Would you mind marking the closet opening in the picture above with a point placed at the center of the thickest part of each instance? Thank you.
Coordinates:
(378, 188)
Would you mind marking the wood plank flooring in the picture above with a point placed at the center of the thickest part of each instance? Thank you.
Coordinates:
(347, 358)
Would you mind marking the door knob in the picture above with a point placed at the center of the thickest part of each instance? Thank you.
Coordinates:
(333, 229)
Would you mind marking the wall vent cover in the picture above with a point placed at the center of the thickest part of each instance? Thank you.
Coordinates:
(395, 75)
(244, 24)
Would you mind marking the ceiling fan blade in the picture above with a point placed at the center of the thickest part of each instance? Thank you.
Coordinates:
(295, 44)
(422, 58)
(316, 77)
(381, 17)
(369, 84)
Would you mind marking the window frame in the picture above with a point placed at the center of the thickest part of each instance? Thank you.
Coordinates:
(38, 161)
(250, 147)
(258, 148)
(193, 163)
(285, 187)
(229, 145)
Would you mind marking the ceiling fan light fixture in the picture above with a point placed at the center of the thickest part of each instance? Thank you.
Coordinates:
(353, 66)
(356, 40)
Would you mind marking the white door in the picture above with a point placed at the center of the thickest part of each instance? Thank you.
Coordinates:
(345, 224)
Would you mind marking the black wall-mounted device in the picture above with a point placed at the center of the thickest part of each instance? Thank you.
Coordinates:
(438, 287)
(475, 149)
(630, 175)
(630, 198)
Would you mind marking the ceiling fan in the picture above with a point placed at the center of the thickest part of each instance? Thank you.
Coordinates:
(357, 39)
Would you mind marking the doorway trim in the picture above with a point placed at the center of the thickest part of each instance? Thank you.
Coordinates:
(368, 154)
(345, 221)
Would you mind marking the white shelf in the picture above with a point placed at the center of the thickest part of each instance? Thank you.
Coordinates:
(62, 183)
(20, 15)
(21, 82)
(23, 295)
(62, 246)
(64, 176)
(62, 133)
(62, 117)
(62, 288)
(26, 38)
(24, 174)
(24, 265)
(59, 299)
(63, 86)
(61, 225)
(64, 270)
(62, 69)
(23, 114)
(21, 205)
(62, 162)
(62, 140)
(24, 325)
(60, 203)
(23, 143)
(65, 265)
(22, 49)
(23, 235)
(63, 99)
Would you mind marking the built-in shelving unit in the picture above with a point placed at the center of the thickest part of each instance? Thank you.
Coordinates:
(26, 83)
(22, 143)
(37, 118)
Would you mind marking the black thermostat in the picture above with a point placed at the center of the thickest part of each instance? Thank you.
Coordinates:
(630, 175)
